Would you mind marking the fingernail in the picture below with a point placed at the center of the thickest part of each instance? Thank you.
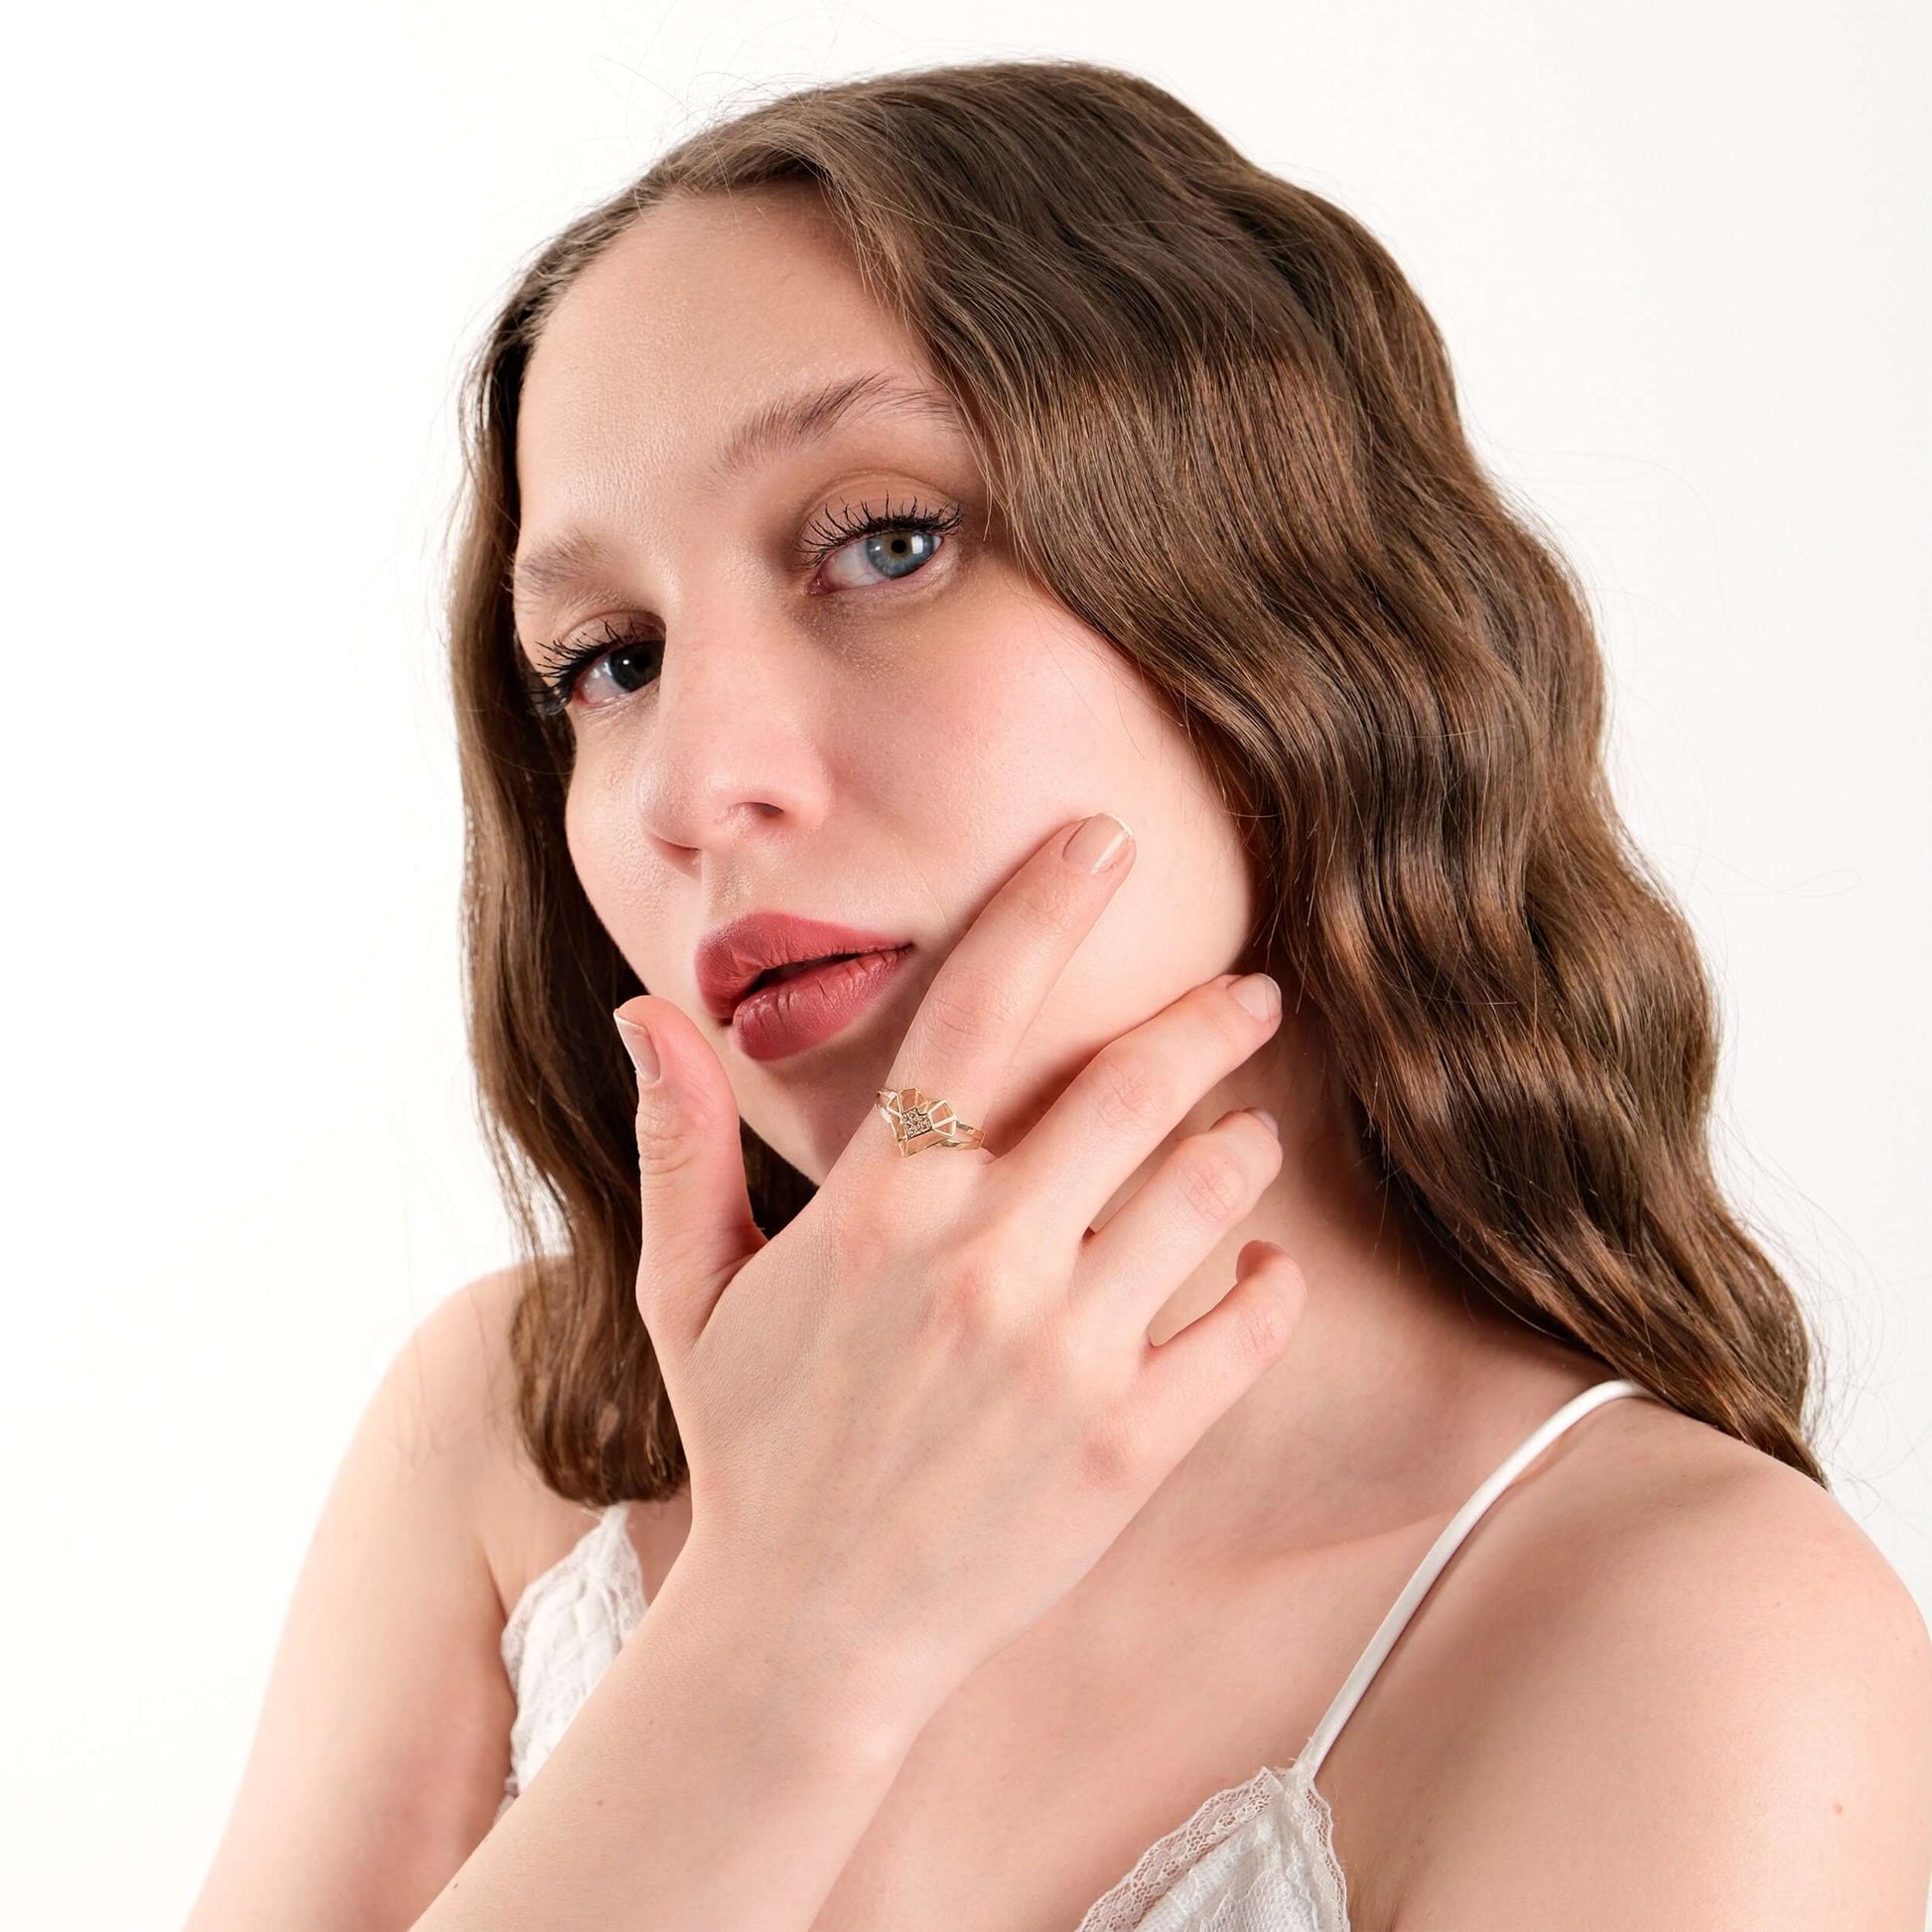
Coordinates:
(638, 1044)
(1096, 843)
(1258, 993)
(1267, 1119)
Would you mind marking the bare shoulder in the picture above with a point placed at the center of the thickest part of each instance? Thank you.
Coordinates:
(456, 1372)
(450, 1395)
(380, 1754)
(464, 1350)
(522, 1526)
(1706, 1699)
(382, 1743)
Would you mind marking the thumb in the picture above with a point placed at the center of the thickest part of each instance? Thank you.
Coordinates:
(697, 1223)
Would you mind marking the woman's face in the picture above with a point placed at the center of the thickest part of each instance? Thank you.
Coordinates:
(875, 734)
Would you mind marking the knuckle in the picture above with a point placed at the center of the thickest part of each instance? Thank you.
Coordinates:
(663, 1156)
(1055, 898)
(1129, 1093)
(1211, 1179)
(969, 1302)
(964, 1007)
(1262, 1326)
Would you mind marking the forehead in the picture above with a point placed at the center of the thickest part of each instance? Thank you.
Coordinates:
(701, 309)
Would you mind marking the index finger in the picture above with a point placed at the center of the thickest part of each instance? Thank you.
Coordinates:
(994, 982)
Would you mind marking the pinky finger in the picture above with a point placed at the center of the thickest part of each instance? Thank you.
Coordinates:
(1191, 1380)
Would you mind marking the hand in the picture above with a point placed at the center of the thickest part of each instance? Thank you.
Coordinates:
(921, 1414)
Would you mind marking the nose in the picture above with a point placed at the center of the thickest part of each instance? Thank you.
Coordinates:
(732, 748)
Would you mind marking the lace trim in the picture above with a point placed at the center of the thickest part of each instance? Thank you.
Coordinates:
(1320, 1838)
(1309, 1823)
(1218, 1819)
(603, 1554)
(606, 1563)
(1125, 1903)
(613, 1559)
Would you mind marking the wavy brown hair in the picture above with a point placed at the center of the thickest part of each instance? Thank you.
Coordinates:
(1392, 677)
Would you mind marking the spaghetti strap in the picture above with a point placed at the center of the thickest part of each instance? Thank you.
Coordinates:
(1445, 1547)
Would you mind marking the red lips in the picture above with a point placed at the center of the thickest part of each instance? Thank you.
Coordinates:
(730, 957)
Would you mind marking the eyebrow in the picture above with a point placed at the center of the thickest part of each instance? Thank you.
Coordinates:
(810, 414)
(785, 422)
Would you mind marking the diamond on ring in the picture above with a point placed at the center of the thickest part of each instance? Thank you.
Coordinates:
(919, 1121)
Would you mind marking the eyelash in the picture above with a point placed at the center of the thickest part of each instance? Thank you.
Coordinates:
(561, 666)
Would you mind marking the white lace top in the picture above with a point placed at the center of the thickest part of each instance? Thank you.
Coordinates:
(1258, 1856)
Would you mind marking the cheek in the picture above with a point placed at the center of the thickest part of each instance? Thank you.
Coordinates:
(586, 835)
(998, 718)
(605, 838)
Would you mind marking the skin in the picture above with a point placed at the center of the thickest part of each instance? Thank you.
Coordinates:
(886, 752)
(1665, 1682)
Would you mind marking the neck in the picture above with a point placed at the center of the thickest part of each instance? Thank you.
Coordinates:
(1402, 1385)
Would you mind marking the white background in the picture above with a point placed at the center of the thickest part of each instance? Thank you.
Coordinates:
(1679, 249)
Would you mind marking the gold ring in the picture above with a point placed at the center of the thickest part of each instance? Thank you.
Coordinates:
(919, 1121)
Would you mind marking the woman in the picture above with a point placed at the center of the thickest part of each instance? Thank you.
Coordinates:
(974, 531)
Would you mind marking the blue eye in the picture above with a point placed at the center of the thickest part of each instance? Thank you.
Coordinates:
(897, 552)
(897, 544)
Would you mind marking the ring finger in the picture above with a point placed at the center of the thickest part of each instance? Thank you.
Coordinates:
(1207, 1184)
(1119, 1108)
